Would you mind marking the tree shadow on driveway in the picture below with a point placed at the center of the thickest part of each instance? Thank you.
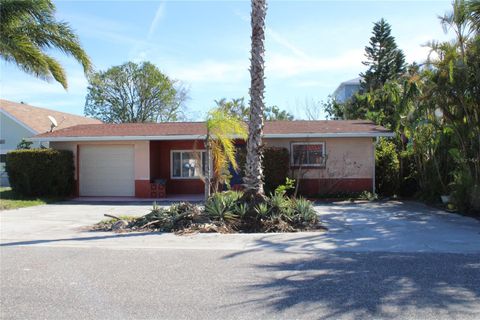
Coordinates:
(364, 285)
(381, 227)
(80, 239)
(376, 261)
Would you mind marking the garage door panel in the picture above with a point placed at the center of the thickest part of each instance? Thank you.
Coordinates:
(107, 170)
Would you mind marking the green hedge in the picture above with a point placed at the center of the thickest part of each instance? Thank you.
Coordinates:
(41, 172)
(276, 166)
(387, 167)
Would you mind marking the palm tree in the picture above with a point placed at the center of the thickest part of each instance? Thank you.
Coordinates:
(253, 179)
(459, 20)
(222, 130)
(27, 29)
(474, 8)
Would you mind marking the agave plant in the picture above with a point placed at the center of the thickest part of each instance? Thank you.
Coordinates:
(262, 209)
(280, 204)
(241, 209)
(220, 206)
(304, 211)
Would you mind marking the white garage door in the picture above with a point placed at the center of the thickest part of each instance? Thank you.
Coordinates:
(107, 170)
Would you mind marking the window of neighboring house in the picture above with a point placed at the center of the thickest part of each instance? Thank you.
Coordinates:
(3, 159)
(185, 163)
(310, 154)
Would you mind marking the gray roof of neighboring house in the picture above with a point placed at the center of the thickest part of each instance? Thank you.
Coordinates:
(354, 81)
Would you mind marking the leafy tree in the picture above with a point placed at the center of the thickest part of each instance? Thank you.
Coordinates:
(134, 92)
(384, 60)
(455, 96)
(222, 129)
(253, 170)
(234, 107)
(237, 108)
(274, 113)
(28, 29)
(333, 109)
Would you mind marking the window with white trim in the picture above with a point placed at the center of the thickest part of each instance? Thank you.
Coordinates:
(187, 164)
(308, 154)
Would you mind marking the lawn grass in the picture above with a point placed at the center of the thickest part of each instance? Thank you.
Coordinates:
(10, 200)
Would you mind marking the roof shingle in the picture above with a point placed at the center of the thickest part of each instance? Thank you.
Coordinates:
(198, 128)
(37, 118)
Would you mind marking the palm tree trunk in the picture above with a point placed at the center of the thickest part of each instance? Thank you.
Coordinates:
(208, 170)
(253, 174)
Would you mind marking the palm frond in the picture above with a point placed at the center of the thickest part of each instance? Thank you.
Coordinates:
(27, 29)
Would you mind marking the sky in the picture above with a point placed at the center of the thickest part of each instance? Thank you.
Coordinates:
(311, 47)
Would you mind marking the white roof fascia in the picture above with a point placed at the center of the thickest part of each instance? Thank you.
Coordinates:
(199, 137)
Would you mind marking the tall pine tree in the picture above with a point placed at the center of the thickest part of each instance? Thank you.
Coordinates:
(385, 61)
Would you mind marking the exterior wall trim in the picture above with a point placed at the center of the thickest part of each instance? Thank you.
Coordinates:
(202, 137)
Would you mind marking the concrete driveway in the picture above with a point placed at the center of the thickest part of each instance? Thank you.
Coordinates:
(381, 226)
(388, 260)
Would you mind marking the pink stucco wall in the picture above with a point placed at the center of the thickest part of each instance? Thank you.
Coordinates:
(349, 166)
(346, 157)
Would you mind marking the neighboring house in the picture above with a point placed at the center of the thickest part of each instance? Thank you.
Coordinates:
(123, 159)
(346, 90)
(19, 121)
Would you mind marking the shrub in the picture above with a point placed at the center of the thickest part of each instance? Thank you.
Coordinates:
(226, 212)
(367, 195)
(386, 167)
(466, 194)
(41, 172)
(283, 189)
(276, 166)
(24, 144)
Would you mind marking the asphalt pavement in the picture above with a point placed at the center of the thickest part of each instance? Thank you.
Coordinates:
(388, 260)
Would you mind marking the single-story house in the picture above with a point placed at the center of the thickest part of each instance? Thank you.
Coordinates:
(123, 159)
(20, 121)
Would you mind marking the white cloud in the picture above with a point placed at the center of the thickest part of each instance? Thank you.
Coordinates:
(415, 49)
(159, 14)
(311, 83)
(211, 71)
(284, 42)
(277, 37)
(40, 87)
(280, 65)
